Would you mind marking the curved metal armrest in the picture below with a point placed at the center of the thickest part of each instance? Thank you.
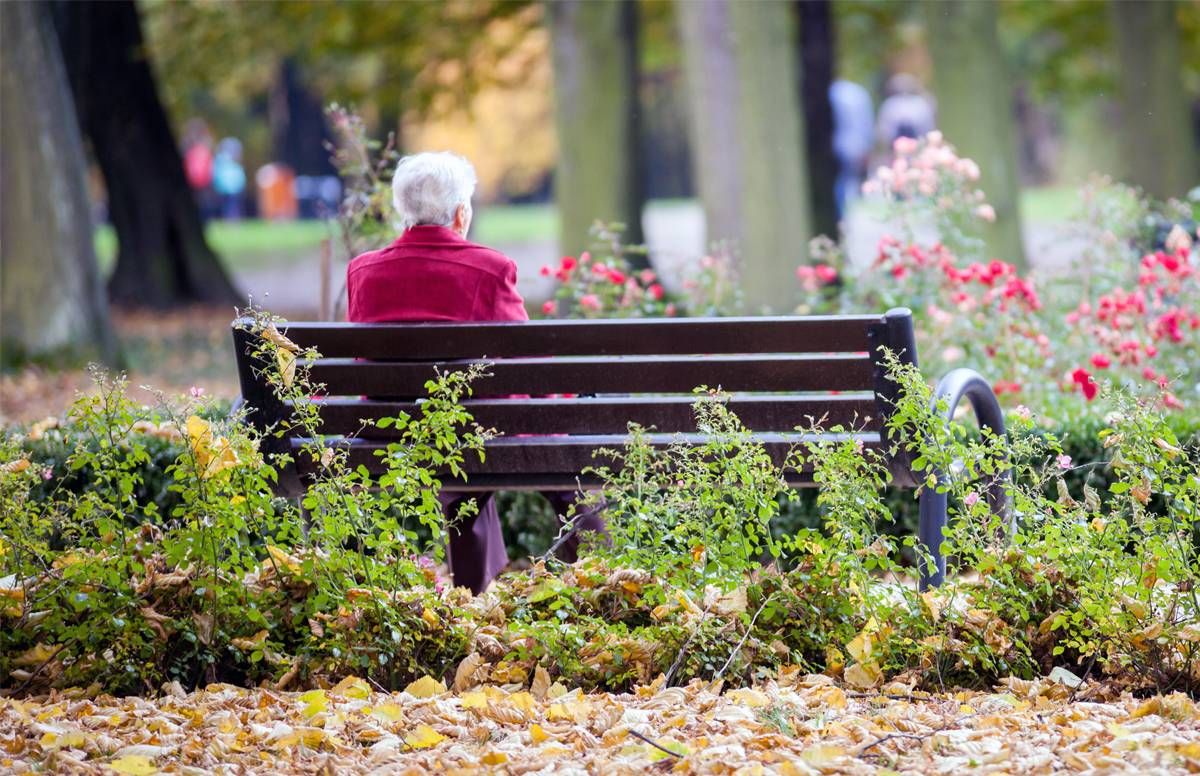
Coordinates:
(969, 384)
(953, 388)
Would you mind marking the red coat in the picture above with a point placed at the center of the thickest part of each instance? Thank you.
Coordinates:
(430, 273)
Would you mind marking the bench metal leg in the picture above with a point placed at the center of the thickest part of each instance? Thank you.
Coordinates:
(929, 533)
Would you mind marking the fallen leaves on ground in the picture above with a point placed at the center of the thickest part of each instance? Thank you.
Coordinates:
(800, 724)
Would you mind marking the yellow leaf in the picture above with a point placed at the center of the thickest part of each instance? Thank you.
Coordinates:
(536, 734)
(430, 618)
(931, 606)
(557, 690)
(474, 700)
(315, 702)
(425, 687)
(864, 675)
(274, 336)
(34, 656)
(965, 709)
(494, 758)
(835, 661)
(541, 683)
(254, 642)
(522, 701)
(133, 765)
(748, 697)
(283, 559)
(352, 687)
(287, 366)
(822, 755)
(69, 739)
(661, 611)
(424, 737)
(655, 754)
(388, 712)
(861, 646)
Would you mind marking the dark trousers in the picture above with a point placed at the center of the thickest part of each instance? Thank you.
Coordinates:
(477, 552)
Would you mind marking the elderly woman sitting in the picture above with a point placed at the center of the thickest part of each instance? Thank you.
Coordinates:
(433, 273)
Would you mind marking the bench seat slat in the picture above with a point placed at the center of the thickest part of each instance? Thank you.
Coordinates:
(435, 341)
(598, 375)
(611, 415)
(562, 457)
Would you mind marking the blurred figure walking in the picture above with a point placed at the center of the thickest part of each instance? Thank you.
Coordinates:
(229, 178)
(853, 137)
(198, 165)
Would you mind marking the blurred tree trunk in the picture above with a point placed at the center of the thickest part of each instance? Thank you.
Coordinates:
(162, 258)
(596, 111)
(51, 299)
(815, 77)
(748, 143)
(298, 130)
(975, 109)
(1160, 155)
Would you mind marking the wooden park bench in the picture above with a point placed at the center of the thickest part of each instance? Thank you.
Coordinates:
(779, 372)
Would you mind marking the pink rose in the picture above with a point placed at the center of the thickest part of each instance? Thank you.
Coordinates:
(549, 307)
(589, 302)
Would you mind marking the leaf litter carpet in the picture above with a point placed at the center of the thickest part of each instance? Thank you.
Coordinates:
(798, 724)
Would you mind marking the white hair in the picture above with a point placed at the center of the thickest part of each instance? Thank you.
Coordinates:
(428, 188)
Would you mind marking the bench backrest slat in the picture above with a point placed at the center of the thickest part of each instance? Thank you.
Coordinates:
(647, 337)
(612, 415)
(606, 374)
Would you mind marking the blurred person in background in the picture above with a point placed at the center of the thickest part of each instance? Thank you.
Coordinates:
(198, 165)
(432, 272)
(908, 111)
(229, 178)
(853, 138)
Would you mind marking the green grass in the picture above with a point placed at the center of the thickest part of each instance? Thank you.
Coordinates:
(250, 244)
(1049, 204)
(505, 224)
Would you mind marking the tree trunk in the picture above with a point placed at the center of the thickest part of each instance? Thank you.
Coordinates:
(596, 111)
(162, 257)
(299, 133)
(748, 142)
(816, 75)
(51, 299)
(975, 109)
(1160, 155)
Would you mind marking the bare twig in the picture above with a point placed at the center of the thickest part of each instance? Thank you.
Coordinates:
(641, 737)
(683, 649)
(39, 669)
(891, 696)
(891, 736)
(745, 636)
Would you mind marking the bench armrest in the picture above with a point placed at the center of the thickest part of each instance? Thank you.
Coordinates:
(953, 388)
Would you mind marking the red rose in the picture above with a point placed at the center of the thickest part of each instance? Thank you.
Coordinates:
(1101, 361)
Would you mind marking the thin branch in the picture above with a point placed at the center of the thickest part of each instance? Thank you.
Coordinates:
(891, 736)
(660, 748)
(683, 649)
(745, 636)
